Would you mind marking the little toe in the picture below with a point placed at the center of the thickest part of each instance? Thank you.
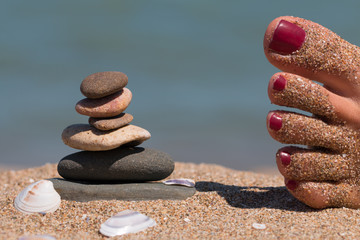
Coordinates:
(325, 194)
(294, 128)
(308, 49)
(310, 165)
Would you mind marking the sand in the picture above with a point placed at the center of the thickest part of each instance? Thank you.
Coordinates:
(226, 206)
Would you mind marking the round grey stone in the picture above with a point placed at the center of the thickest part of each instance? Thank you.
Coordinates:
(116, 122)
(102, 84)
(125, 164)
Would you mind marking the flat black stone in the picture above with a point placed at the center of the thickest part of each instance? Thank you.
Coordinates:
(124, 164)
(83, 192)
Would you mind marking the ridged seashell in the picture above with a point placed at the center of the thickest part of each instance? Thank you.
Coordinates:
(181, 181)
(38, 197)
(124, 222)
(37, 237)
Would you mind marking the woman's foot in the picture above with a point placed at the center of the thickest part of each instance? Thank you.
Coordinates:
(327, 174)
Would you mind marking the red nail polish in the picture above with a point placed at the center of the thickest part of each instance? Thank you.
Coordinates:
(285, 158)
(291, 185)
(279, 83)
(287, 38)
(275, 122)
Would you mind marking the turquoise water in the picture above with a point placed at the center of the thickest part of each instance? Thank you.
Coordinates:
(196, 69)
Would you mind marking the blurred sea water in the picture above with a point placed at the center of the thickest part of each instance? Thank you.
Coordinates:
(196, 69)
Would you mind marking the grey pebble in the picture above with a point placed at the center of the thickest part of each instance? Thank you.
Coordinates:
(83, 192)
(124, 164)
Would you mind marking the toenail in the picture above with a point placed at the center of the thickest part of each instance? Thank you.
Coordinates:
(285, 158)
(275, 122)
(291, 184)
(287, 38)
(279, 83)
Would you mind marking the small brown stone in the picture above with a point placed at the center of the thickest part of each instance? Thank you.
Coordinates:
(111, 123)
(102, 84)
(109, 106)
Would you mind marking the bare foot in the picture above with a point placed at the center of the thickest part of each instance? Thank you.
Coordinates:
(327, 174)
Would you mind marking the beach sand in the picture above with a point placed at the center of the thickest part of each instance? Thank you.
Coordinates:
(226, 205)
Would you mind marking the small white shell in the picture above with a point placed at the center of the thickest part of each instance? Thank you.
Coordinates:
(181, 182)
(37, 237)
(124, 222)
(38, 197)
(259, 226)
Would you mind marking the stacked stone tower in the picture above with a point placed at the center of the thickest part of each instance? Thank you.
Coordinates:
(109, 141)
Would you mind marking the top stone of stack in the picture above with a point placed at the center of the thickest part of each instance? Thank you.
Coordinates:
(102, 84)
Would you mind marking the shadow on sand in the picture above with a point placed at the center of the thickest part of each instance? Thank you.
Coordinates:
(255, 197)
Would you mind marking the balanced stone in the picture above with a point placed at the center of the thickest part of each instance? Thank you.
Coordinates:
(86, 137)
(108, 106)
(116, 122)
(102, 84)
(83, 192)
(125, 164)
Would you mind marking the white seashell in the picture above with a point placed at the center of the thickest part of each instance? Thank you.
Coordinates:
(126, 222)
(259, 226)
(181, 181)
(38, 197)
(37, 237)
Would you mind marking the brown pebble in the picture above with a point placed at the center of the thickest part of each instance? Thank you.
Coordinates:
(102, 84)
(109, 106)
(111, 123)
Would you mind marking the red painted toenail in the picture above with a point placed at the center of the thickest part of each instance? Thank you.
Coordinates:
(279, 83)
(275, 122)
(287, 38)
(285, 158)
(291, 185)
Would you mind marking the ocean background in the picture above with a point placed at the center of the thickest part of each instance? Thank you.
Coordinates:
(196, 69)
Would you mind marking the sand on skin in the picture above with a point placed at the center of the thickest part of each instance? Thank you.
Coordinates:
(227, 204)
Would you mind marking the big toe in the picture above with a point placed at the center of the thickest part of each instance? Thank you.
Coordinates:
(308, 49)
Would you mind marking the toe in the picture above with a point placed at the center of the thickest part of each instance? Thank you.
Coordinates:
(311, 165)
(294, 128)
(325, 194)
(309, 193)
(305, 48)
(291, 90)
